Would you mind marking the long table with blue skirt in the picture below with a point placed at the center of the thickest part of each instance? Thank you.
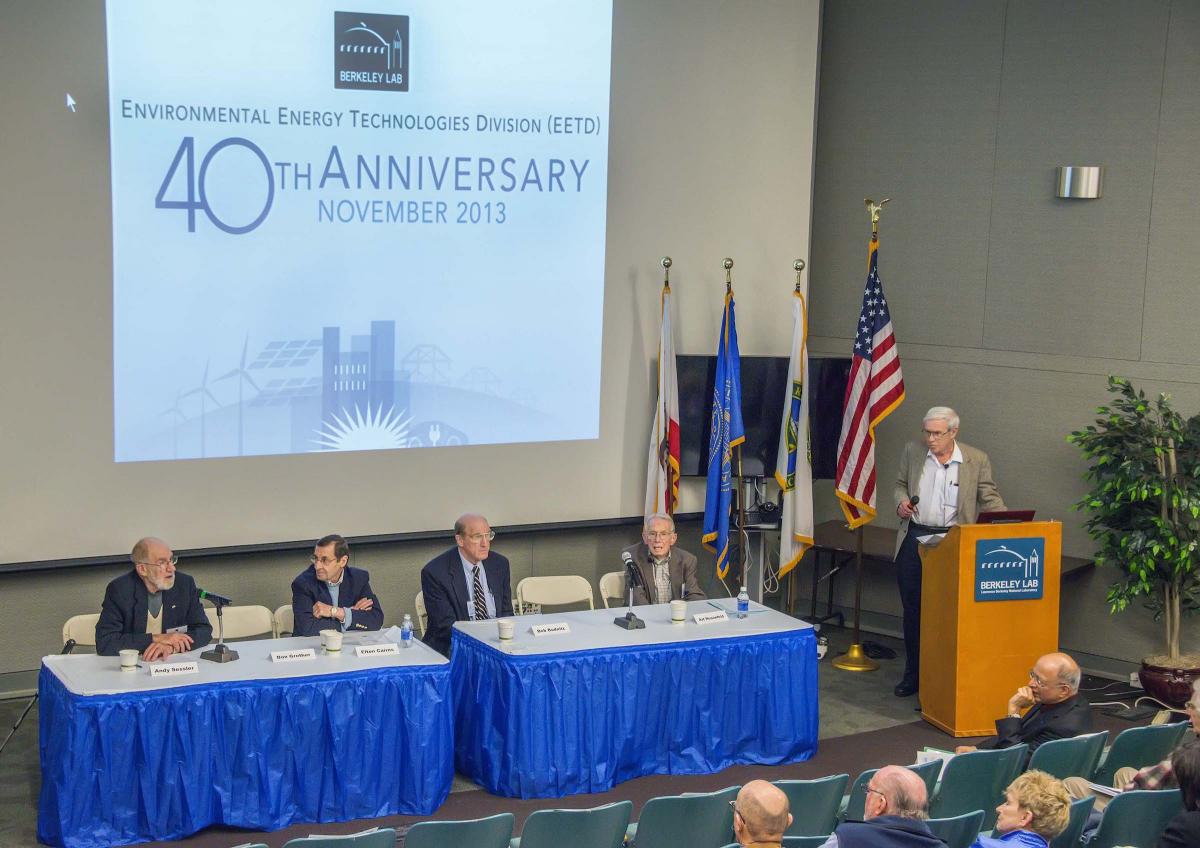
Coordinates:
(554, 715)
(252, 743)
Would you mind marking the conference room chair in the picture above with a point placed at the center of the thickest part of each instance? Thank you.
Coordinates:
(285, 621)
(854, 805)
(384, 837)
(1136, 818)
(1139, 747)
(1080, 810)
(957, 831)
(612, 587)
(599, 827)
(81, 628)
(422, 615)
(976, 781)
(552, 590)
(243, 622)
(491, 832)
(1074, 757)
(814, 803)
(697, 820)
(794, 842)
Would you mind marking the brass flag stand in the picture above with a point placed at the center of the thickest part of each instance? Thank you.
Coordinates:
(855, 659)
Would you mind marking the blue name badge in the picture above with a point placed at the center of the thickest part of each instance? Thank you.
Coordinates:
(1009, 569)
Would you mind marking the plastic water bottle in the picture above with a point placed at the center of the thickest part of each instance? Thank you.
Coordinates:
(406, 632)
(743, 603)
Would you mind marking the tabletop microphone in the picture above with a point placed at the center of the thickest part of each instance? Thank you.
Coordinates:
(633, 577)
(70, 646)
(215, 598)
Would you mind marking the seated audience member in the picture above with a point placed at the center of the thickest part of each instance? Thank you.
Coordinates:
(1158, 776)
(332, 595)
(894, 814)
(1036, 809)
(1059, 711)
(1183, 831)
(760, 815)
(670, 572)
(152, 608)
(469, 582)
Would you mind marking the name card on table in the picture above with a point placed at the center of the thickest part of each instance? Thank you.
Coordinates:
(377, 650)
(552, 629)
(293, 656)
(710, 617)
(175, 669)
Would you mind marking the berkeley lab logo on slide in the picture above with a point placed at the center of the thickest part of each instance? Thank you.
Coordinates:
(370, 51)
(1009, 569)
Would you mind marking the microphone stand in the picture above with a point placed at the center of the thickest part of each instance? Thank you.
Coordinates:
(220, 653)
(629, 621)
(66, 650)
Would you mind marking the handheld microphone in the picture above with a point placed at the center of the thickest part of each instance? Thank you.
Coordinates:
(914, 500)
(215, 598)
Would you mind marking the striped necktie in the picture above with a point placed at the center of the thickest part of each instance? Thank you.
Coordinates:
(480, 602)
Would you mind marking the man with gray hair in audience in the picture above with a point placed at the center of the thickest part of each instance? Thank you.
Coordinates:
(942, 482)
(894, 814)
(668, 571)
(760, 815)
(1056, 710)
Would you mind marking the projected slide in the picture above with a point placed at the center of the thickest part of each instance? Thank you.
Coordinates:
(356, 230)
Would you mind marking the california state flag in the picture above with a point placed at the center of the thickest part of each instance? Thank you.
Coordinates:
(662, 472)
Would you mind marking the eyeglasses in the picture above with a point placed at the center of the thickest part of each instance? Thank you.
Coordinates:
(736, 811)
(316, 560)
(162, 563)
(658, 534)
(1041, 684)
(877, 792)
(479, 537)
(930, 434)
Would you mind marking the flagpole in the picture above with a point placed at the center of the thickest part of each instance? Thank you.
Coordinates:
(855, 659)
(727, 264)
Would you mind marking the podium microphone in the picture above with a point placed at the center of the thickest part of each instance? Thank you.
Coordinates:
(633, 577)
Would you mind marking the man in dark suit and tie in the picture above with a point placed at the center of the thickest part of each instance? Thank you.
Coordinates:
(469, 582)
(331, 595)
(1058, 710)
(153, 608)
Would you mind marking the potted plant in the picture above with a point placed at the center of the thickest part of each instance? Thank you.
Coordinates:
(1144, 514)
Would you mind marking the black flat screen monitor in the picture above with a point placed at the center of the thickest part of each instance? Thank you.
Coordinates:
(764, 381)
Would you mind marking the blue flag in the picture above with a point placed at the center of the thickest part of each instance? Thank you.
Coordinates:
(726, 432)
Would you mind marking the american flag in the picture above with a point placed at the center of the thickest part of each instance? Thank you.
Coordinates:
(875, 388)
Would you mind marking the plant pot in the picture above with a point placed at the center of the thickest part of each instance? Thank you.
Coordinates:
(1172, 686)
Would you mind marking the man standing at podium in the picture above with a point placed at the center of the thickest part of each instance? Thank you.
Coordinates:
(942, 482)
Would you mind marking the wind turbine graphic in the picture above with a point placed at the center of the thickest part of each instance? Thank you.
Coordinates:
(243, 377)
(176, 416)
(202, 391)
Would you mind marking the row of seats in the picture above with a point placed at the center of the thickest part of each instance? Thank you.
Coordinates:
(705, 820)
(243, 622)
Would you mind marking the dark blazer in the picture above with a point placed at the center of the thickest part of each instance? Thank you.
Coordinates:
(123, 614)
(356, 585)
(447, 595)
(1072, 717)
(681, 569)
(887, 832)
(1183, 831)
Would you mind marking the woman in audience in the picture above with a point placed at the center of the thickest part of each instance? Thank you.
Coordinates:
(1183, 831)
(1036, 809)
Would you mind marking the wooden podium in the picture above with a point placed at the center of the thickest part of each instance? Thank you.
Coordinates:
(976, 651)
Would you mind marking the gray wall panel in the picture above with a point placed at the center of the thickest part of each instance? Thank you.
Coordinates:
(1081, 87)
(1172, 283)
(907, 111)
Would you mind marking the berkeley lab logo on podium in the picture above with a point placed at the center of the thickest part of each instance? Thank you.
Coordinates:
(1009, 569)
(370, 51)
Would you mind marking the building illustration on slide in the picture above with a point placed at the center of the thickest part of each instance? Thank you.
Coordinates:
(339, 391)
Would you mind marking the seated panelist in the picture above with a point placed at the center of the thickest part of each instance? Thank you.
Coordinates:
(153, 608)
(332, 595)
(469, 582)
(670, 572)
